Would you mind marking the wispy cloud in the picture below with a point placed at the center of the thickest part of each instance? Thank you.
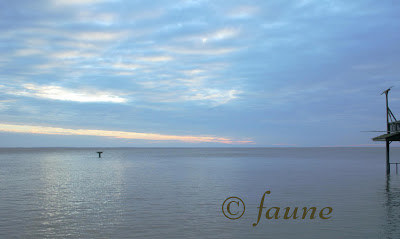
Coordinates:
(102, 18)
(76, 2)
(115, 134)
(241, 12)
(199, 50)
(27, 52)
(154, 58)
(65, 94)
(215, 96)
(98, 36)
(5, 104)
(221, 34)
(126, 66)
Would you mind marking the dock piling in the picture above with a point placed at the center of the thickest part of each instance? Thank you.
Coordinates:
(387, 156)
(392, 132)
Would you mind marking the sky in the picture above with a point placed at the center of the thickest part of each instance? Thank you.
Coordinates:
(271, 73)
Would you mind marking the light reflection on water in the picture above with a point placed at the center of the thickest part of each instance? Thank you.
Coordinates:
(392, 206)
(178, 193)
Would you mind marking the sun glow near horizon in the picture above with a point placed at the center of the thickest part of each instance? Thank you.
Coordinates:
(117, 134)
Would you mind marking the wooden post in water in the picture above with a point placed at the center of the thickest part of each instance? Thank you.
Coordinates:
(388, 132)
(99, 154)
(387, 157)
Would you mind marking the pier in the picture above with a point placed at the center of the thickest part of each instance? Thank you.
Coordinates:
(392, 132)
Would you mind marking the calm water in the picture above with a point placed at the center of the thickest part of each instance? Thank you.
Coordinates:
(178, 193)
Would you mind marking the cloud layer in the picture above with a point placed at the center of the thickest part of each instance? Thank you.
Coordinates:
(272, 71)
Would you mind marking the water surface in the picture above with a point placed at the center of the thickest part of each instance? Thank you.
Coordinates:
(178, 192)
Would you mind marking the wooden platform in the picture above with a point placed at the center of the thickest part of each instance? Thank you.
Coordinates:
(390, 137)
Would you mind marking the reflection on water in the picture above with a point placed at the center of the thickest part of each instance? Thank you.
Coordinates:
(178, 193)
(78, 191)
(392, 206)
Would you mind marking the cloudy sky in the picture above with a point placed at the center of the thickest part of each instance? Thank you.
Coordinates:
(196, 73)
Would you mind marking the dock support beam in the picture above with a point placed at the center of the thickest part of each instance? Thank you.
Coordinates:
(388, 132)
(387, 157)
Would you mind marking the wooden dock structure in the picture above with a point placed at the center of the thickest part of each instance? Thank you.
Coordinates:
(392, 132)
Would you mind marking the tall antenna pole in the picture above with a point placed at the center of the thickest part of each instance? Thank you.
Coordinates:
(387, 111)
